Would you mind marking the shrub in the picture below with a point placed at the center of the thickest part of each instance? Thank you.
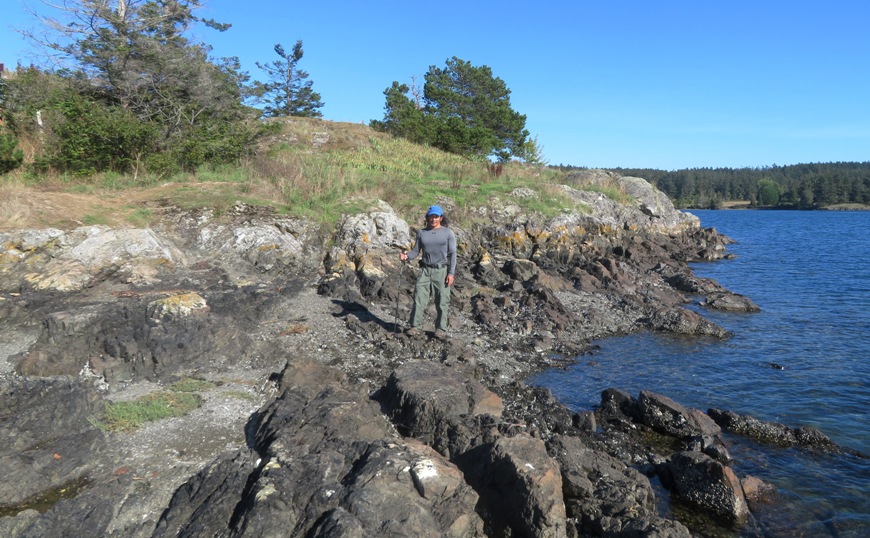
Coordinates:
(11, 156)
(91, 137)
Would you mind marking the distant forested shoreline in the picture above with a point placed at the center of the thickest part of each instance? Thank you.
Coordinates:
(798, 186)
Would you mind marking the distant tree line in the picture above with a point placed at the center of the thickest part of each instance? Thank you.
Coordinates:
(799, 186)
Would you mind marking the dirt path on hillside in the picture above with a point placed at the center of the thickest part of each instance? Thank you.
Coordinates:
(23, 207)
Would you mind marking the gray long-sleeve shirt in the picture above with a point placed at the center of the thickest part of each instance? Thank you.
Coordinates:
(438, 246)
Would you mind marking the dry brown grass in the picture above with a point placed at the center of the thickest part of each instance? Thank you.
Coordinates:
(295, 328)
(312, 168)
(14, 212)
(730, 204)
(315, 134)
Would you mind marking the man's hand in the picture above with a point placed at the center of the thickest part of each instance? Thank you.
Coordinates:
(403, 256)
(449, 280)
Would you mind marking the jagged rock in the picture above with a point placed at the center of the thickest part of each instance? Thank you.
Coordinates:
(682, 321)
(711, 245)
(371, 277)
(266, 246)
(696, 430)
(522, 270)
(606, 497)
(330, 461)
(382, 229)
(522, 489)
(46, 440)
(650, 200)
(730, 302)
(701, 481)
(207, 500)
(774, 432)
(710, 444)
(669, 417)
(651, 209)
(616, 403)
(80, 256)
(691, 284)
(585, 420)
(486, 272)
(340, 274)
(438, 453)
(123, 341)
(441, 407)
(29, 240)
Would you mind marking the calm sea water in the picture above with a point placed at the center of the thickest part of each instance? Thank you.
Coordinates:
(810, 274)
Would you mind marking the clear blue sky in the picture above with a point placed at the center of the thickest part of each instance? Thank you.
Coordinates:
(609, 83)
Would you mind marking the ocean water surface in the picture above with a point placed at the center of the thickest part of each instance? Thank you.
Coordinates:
(809, 271)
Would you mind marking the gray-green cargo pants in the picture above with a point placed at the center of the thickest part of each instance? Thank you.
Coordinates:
(431, 282)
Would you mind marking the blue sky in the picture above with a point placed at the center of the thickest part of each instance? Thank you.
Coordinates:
(609, 83)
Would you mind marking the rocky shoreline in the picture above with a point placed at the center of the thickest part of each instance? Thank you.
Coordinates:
(322, 418)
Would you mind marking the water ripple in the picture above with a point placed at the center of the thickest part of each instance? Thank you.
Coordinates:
(809, 273)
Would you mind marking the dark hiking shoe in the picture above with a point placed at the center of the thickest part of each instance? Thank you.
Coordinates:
(412, 332)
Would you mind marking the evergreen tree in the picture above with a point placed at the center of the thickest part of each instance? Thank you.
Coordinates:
(288, 93)
(465, 110)
(402, 116)
(806, 197)
(473, 111)
(134, 55)
(533, 153)
(11, 156)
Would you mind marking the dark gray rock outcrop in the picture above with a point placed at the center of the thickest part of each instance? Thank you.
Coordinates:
(607, 497)
(46, 440)
(141, 336)
(776, 433)
(441, 407)
(329, 465)
(682, 321)
(354, 428)
(704, 483)
(671, 418)
(521, 489)
(698, 475)
(730, 302)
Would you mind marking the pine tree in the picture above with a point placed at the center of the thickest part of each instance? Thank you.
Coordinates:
(466, 110)
(288, 93)
(402, 116)
(473, 111)
(11, 156)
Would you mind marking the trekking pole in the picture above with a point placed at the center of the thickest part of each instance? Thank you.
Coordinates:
(398, 292)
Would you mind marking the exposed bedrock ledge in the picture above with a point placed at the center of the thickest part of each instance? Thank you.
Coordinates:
(777, 434)
(326, 419)
(329, 464)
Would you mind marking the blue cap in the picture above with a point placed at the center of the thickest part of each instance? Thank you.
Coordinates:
(434, 210)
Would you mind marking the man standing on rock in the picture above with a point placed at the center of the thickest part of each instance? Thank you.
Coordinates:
(438, 245)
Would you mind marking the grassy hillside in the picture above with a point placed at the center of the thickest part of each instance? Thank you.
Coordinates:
(312, 168)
